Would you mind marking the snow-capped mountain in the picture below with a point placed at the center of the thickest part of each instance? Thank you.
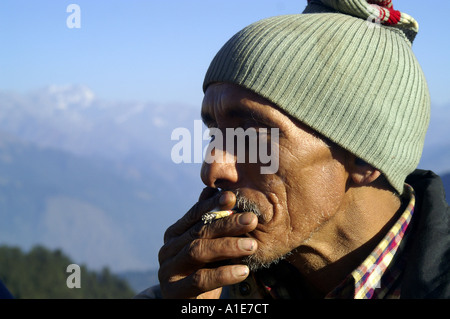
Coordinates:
(73, 165)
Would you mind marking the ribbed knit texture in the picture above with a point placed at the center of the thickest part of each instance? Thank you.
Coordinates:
(358, 84)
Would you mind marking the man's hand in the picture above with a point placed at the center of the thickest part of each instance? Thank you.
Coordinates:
(190, 246)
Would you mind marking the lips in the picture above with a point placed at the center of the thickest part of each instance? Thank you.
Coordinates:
(244, 205)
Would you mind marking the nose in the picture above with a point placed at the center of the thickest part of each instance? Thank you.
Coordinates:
(219, 169)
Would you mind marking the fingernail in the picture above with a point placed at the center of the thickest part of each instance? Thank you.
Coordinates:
(240, 271)
(246, 244)
(246, 218)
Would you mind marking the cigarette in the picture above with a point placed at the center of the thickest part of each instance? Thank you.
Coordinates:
(210, 216)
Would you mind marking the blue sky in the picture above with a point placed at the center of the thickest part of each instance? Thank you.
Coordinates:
(159, 50)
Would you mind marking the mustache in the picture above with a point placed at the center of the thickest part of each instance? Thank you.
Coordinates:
(243, 204)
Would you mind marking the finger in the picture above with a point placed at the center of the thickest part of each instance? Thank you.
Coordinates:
(205, 251)
(224, 200)
(204, 280)
(234, 225)
(208, 192)
(191, 217)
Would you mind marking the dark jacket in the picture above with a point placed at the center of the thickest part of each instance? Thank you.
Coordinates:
(427, 273)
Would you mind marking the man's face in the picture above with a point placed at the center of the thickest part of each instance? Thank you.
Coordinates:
(296, 201)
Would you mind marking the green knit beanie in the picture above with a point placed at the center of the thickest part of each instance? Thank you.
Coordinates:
(346, 69)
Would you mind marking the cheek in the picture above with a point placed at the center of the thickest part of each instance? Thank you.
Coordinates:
(315, 184)
(315, 197)
(271, 198)
(294, 202)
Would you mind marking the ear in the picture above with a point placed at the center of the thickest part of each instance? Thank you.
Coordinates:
(362, 173)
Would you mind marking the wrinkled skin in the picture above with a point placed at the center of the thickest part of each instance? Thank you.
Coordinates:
(309, 190)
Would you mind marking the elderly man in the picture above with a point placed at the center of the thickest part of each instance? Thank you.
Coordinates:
(346, 215)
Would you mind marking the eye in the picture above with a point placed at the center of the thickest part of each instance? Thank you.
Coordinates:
(250, 124)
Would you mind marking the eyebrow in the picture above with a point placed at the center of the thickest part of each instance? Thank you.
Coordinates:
(239, 112)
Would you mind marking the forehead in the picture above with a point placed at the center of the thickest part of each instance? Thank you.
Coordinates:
(229, 91)
(222, 99)
(230, 101)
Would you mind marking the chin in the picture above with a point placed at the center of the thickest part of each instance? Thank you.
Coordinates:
(256, 261)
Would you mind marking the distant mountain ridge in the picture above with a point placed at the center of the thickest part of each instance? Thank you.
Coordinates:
(80, 205)
(446, 182)
(72, 119)
(92, 177)
(436, 153)
(140, 280)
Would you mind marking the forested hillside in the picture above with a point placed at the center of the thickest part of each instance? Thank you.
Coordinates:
(42, 274)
